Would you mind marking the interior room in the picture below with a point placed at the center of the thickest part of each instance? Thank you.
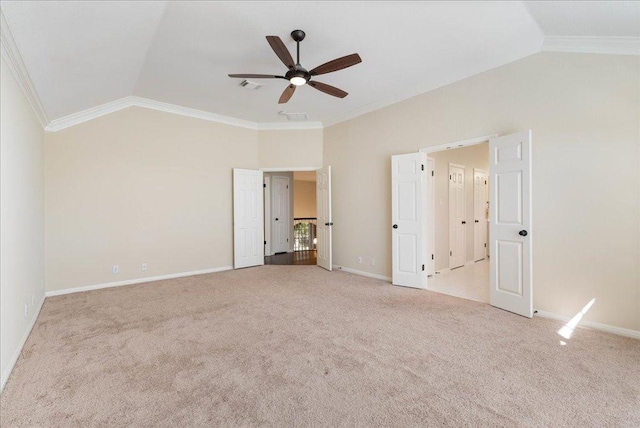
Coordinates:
(145, 152)
(461, 213)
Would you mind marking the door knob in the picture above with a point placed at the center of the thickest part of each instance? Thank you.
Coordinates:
(522, 233)
(464, 222)
(476, 221)
(276, 218)
(329, 224)
(395, 226)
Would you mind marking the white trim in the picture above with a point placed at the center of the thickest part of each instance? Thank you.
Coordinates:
(16, 354)
(17, 68)
(635, 334)
(293, 169)
(597, 45)
(458, 144)
(362, 273)
(283, 126)
(134, 101)
(134, 281)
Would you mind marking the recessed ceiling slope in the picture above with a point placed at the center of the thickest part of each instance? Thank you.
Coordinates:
(80, 55)
(406, 48)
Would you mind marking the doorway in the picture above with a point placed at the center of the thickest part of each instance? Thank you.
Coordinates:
(256, 194)
(462, 202)
(291, 216)
(508, 255)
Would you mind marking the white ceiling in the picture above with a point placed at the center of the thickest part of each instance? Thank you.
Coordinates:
(80, 55)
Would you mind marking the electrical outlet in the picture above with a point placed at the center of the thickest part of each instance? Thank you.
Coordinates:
(26, 310)
(373, 262)
(115, 269)
(360, 259)
(144, 266)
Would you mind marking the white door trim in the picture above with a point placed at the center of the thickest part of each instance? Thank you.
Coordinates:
(430, 212)
(459, 144)
(480, 219)
(267, 216)
(291, 169)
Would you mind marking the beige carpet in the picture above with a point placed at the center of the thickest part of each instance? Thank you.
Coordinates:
(295, 345)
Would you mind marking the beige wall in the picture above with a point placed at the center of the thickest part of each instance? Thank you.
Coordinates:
(304, 199)
(290, 148)
(21, 219)
(584, 111)
(471, 157)
(140, 186)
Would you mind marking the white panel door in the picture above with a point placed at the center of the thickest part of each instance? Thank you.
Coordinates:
(248, 211)
(430, 209)
(280, 214)
(510, 223)
(479, 214)
(408, 188)
(325, 221)
(457, 221)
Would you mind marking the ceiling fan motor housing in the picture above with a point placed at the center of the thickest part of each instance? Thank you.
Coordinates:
(298, 72)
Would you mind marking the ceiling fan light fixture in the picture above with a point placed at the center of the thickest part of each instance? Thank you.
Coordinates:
(298, 81)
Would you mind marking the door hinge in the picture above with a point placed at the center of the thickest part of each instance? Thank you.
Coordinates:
(287, 239)
(431, 254)
(422, 166)
(287, 186)
(265, 242)
(422, 267)
(449, 176)
(485, 181)
(485, 245)
(432, 173)
(264, 185)
(451, 253)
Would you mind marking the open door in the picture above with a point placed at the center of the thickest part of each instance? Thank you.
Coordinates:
(510, 223)
(323, 195)
(248, 222)
(408, 190)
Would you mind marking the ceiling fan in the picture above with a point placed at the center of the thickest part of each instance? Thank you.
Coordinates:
(298, 75)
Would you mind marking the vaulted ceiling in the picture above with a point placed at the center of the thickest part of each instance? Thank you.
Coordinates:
(80, 55)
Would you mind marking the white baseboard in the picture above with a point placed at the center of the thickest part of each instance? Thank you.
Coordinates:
(635, 334)
(134, 281)
(362, 273)
(16, 354)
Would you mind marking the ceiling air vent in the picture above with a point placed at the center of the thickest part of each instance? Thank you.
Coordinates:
(250, 85)
(295, 117)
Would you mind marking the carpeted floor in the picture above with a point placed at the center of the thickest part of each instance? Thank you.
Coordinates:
(295, 345)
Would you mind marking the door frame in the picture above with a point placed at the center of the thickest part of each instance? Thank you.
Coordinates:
(268, 247)
(464, 212)
(430, 212)
(484, 219)
(267, 215)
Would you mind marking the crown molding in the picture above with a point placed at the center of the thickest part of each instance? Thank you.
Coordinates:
(597, 45)
(283, 126)
(19, 71)
(134, 101)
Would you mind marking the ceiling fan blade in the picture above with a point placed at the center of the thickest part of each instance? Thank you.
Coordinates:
(336, 64)
(287, 94)
(256, 76)
(281, 50)
(328, 89)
